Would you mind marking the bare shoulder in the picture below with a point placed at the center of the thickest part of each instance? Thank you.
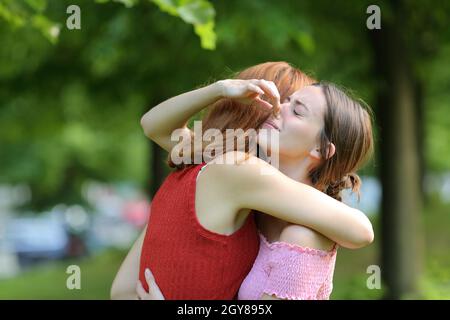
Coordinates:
(238, 165)
(305, 237)
(240, 178)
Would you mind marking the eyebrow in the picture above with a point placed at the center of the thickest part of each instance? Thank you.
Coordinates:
(297, 101)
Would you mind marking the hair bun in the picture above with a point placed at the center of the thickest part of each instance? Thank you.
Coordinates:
(349, 181)
(353, 182)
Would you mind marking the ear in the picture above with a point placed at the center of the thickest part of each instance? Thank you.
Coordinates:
(315, 153)
(331, 150)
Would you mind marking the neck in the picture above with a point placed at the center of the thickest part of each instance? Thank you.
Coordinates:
(296, 169)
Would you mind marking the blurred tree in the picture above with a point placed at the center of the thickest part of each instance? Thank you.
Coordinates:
(23, 13)
(400, 159)
(199, 13)
(71, 100)
(409, 37)
(81, 99)
(396, 59)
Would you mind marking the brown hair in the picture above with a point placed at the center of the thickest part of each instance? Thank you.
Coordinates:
(348, 125)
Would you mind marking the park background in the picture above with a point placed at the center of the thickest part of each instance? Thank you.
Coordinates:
(77, 173)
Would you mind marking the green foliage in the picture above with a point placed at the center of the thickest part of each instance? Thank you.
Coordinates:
(37, 5)
(437, 120)
(11, 16)
(70, 111)
(22, 13)
(199, 13)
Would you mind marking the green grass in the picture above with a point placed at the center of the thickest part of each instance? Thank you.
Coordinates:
(97, 273)
(436, 280)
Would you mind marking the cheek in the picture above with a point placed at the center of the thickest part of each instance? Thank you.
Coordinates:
(297, 139)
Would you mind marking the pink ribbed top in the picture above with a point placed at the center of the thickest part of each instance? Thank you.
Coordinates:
(290, 271)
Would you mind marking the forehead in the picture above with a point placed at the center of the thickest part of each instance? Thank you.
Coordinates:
(313, 97)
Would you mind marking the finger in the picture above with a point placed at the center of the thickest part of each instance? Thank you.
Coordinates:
(272, 94)
(276, 100)
(263, 103)
(153, 287)
(142, 294)
(269, 89)
(277, 111)
(274, 89)
(263, 88)
(255, 88)
(148, 276)
(275, 93)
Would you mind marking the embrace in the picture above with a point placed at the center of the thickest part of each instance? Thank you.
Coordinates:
(232, 225)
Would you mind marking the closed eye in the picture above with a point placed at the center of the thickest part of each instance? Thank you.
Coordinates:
(296, 113)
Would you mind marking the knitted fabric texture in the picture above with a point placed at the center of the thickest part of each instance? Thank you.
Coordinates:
(188, 260)
(290, 272)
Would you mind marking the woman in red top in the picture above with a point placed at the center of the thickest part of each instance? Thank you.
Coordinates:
(204, 264)
(215, 211)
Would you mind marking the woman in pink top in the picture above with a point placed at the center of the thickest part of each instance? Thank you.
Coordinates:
(325, 136)
(284, 270)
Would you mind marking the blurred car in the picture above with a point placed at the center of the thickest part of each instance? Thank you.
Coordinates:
(37, 238)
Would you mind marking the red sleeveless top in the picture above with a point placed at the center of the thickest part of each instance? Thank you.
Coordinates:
(187, 260)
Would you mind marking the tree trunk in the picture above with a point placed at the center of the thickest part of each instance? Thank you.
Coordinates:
(397, 112)
(420, 136)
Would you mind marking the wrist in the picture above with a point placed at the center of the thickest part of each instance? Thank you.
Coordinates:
(218, 89)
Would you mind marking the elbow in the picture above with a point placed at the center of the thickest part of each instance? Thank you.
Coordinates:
(370, 235)
(113, 293)
(116, 293)
(364, 235)
(146, 126)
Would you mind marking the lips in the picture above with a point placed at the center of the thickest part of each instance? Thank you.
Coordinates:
(272, 124)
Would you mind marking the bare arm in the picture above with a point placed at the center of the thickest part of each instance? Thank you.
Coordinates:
(282, 197)
(124, 284)
(159, 123)
(163, 119)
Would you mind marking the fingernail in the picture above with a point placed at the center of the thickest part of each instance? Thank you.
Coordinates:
(148, 274)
